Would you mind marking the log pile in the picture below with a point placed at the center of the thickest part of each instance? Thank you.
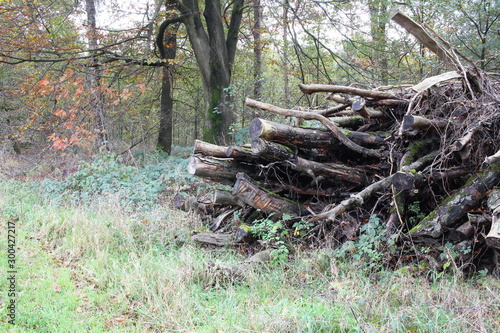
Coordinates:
(425, 159)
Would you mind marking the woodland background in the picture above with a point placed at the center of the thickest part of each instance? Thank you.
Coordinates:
(80, 76)
(101, 102)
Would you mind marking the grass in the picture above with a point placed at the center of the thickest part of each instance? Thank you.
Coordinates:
(96, 267)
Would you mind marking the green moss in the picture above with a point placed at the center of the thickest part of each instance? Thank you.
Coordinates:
(414, 150)
(346, 132)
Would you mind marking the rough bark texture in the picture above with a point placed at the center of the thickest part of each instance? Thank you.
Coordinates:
(269, 203)
(419, 162)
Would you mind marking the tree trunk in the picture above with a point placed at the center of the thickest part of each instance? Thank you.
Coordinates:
(214, 54)
(166, 42)
(257, 49)
(378, 21)
(96, 102)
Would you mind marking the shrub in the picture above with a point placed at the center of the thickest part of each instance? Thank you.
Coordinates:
(133, 185)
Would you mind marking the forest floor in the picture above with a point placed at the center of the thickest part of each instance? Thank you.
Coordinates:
(95, 252)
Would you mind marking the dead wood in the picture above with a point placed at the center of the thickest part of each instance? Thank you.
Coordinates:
(493, 237)
(333, 171)
(398, 152)
(302, 137)
(314, 88)
(359, 105)
(312, 116)
(227, 199)
(354, 201)
(269, 203)
(417, 31)
(212, 238)
(450, 211)
(221, 170)
(209, 149)
(421, 123)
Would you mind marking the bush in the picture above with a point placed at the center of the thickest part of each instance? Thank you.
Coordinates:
(134, 186)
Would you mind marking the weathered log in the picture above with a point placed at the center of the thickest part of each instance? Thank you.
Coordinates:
(220, 170)
(339, 172)
(421, 123)
(463, 232)
(209, 149)
(330, 111)
(374, 102)
(214, 238)
(307, 137)
(479, 219)
(359, 106)
(314, 88)
(348, 121)
(279, 152)
(491, 160)
(187, 204)
(493, 237)
(258, 198)
(450, 211)
(226, 198)
(359, 198)
(411, 179)
(403, 181)
(224, 216)
(272, 151)
(242, 154)
(434, 80)
(312, 116)
(423, 37)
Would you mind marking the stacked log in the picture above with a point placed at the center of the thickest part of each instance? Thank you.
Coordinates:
(377, 152)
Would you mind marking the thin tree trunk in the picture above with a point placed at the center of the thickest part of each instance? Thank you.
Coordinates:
(257, 49)
(94, 75)
(285, 53)
(165, 133)
(166, 42)
(378, 21)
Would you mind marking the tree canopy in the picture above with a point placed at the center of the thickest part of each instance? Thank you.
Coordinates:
(84, 75)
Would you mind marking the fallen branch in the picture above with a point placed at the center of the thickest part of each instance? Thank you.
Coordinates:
(314, 88)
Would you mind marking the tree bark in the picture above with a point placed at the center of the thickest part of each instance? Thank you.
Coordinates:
(425, 38)
(421, 123)
(338, 172)
(222, 171)
(302, 137)
(457, 205)
(359, 105)
(209, 149)
(166, 41)
(493, 237)
(268, 203)
(311, 116)
(257, 49)
(214, 54)
(314, 88)
(272, 151)
(94, 72)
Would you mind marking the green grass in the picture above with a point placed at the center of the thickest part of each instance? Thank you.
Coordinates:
(96, 267)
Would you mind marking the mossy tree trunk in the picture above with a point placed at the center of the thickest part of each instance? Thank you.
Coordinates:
(214, 48)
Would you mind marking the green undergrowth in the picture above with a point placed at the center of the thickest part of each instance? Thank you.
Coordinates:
(88, 260)
(137, 184)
